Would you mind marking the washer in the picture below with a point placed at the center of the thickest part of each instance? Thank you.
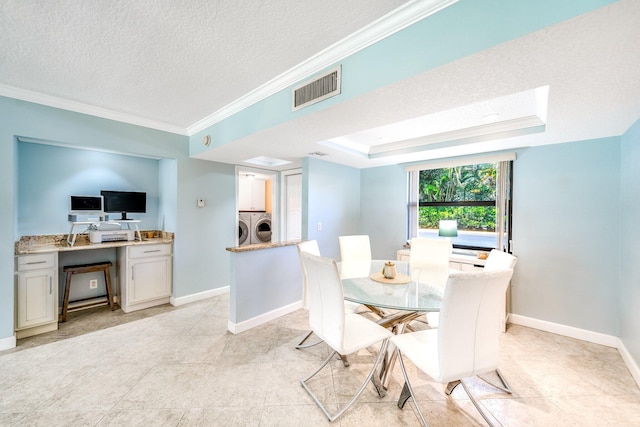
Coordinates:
(244, 229)
(260, 227)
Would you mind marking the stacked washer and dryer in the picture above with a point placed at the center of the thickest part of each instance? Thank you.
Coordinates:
(254, 228)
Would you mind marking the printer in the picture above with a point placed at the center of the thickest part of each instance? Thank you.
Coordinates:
(110, 232)
(98, 236)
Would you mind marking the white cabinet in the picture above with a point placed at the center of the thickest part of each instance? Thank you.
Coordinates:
(145, 276)
(251, 195)
(37, 294)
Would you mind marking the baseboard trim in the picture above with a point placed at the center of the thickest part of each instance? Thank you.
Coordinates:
(236, 328)
(628, 360)
(7, 343)
(567, 331)
(199, 296)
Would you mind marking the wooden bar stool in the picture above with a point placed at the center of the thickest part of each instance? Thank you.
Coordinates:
(87, 268)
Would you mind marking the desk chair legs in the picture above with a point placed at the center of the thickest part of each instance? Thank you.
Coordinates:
(370, 377)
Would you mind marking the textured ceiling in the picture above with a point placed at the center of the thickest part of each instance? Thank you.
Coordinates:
(174, 63)
(590, 63)
(171, 62)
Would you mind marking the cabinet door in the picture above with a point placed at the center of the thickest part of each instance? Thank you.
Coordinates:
(257, 195)
(36, 298)
(244, 194)
(150, 279)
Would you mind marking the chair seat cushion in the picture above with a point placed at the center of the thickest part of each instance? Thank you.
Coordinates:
(422, 349)
(359, 333)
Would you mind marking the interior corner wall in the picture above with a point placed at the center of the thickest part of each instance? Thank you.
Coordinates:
(331, 204)
(565, 206)
(384, 218)
(8, 226)
(629, 300)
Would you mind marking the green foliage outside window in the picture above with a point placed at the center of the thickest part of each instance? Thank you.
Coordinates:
(459, 184)
(472, 218)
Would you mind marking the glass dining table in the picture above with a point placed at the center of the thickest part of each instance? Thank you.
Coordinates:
(395, 301)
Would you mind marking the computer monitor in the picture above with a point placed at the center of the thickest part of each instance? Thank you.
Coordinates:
(86, 205)
(124, 202)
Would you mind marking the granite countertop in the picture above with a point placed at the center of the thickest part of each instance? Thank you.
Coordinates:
(260, 246)
(58, 242)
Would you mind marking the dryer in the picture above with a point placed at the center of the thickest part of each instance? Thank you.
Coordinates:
(260, 227)
(244, 229)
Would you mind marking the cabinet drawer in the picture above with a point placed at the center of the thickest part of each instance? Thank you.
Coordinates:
(142, 251)
(36, 262)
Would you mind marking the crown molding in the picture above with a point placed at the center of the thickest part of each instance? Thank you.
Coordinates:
(79, 107)
(396, 20)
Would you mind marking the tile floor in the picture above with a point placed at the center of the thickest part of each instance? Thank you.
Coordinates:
(178, 366)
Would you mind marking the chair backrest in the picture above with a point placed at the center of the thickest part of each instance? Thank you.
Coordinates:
(498, 260)
(429, 261)
(355, 248)
(311, 247)
(468, 330)
(326, 300)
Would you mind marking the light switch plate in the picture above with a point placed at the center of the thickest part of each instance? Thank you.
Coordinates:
(201, 203)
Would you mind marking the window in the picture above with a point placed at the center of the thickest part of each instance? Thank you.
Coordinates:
(476, 195)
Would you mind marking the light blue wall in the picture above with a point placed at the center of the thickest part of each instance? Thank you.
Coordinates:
(565, 215)
(384, 213)
(280, 283)
(463, 28)
(204, 233)
(180, 181)
(168, 204)
(48, 175)
(629, 302)
(331, 196)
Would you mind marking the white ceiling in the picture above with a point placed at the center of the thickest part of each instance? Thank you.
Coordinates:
(172, 64)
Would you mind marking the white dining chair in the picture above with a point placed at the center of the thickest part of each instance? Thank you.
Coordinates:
(311, 246)
(355, 248)
(466, 342)
(429, 264)
(345, 333)
(429, 261)
(498, 260)
(308, 246)
(495, 261)
(355, 256)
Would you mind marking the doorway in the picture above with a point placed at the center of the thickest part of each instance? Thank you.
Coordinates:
(256, 206)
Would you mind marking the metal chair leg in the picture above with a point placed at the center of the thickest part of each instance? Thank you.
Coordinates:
(505, 386)
(333, 417)
(477, 405)
(450, 386)
(300, 344)
(407, 385)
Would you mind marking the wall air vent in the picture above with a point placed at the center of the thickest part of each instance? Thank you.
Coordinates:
(318, 89)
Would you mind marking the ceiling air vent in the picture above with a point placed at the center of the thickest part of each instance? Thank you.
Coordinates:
(318, 89)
